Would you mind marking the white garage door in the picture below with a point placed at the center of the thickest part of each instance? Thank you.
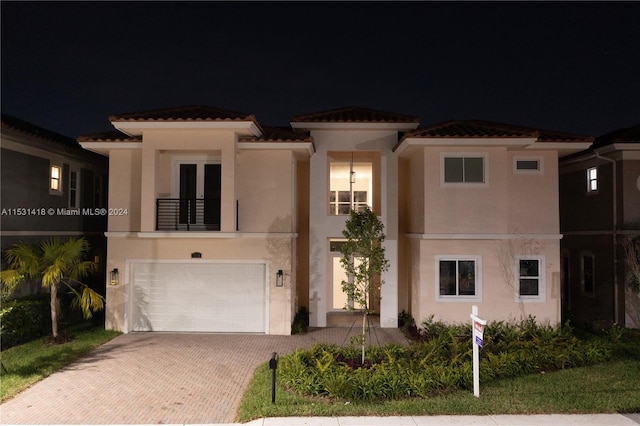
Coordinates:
(207, 297)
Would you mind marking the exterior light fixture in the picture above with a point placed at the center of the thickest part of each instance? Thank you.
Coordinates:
(279, 278)
(115, 276)
(353, 176)
(352, 173)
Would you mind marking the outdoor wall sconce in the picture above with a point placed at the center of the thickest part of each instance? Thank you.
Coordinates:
(115, 278)
(353, 176)
(279, 278)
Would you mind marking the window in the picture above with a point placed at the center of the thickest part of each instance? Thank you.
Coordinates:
(350, 186)
(73, 189)
(463, 169)
(55, 182)
(587, 271)
(527, 165)
(458, 277)
(592, 179)
(530, 277)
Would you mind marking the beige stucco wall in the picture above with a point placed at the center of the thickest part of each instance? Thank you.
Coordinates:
(516, 213)
(263, 182)
(498, 300)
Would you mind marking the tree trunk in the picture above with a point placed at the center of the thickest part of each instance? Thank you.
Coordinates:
(54, 310)
(364, 333)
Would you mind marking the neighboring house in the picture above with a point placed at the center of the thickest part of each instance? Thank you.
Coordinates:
(228, 225)
(600, 213)
(51, 188)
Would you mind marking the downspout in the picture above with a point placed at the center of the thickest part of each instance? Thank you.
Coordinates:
(616, 307)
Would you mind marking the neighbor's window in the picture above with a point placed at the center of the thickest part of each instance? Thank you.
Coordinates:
(458, 277)
(350, 186)
(530, 276)
(463, 169)
(55, 182)
(592, 179)
(73, 189)
(587, 263)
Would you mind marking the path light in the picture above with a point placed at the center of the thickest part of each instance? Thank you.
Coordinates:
(115, 276)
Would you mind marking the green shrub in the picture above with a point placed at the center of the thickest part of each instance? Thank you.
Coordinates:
(443, 362)
(25, 319)
(300, 323)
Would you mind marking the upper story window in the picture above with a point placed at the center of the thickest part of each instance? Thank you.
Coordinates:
(531, 277)
(592, 179)
(55, 179)
(527, 165)
(351, 183)
(458, 278)
(463, 169)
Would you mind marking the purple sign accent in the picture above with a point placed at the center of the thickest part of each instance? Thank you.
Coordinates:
(478, 341)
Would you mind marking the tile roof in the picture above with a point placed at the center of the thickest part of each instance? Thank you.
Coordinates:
(16, 124)
(112, 136)
(279, 134)
(185, 113)
(625, 135)
(354, 115)
(487, 129)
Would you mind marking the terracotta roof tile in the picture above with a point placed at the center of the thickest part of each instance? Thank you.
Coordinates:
(185, 113)
(625, 135)
(279, 134)
(354, 115)
(112, 136)
(16, 124)
(487, 129)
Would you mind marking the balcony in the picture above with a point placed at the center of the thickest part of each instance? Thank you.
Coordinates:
(187, 214)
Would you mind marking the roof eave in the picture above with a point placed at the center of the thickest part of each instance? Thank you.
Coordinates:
(420, 141)
(402, 127)
(306, 147)
(135, 128)
(105, 147)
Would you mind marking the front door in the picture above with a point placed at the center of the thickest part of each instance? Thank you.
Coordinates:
(339, 299)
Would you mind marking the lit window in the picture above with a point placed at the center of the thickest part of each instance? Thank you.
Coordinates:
(458, 277)
(56, 178)
(349, 187)
(592, 179)
(530, 277)
(463, 169)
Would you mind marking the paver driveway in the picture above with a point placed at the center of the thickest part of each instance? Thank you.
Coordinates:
(161, 378)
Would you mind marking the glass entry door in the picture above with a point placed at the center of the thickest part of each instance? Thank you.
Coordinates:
(199, 194)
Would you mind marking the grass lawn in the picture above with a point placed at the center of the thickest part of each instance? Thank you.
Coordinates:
(31, 362)
(608, 387)
(604, 388)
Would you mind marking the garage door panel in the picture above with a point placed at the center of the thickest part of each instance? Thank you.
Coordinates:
(198, 297)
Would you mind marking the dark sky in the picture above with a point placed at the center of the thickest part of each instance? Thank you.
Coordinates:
(575, 66)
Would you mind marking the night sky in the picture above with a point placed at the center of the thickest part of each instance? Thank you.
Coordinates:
(572, 67)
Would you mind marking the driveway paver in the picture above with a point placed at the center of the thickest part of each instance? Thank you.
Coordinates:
(143, 378)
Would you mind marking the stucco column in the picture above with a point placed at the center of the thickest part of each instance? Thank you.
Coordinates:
(148, 189)
(389, 195)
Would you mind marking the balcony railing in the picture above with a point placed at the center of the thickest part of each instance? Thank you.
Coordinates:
(187, 214)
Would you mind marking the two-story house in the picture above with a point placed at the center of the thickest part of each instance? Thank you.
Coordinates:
(228, 225)
(51, 188)
(600, 213)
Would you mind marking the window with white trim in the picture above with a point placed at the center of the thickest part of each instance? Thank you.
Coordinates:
(350, 186)
(458, 278)
(463, 169)
(55, 179)
(530, 276)
(587, 274)
(592, 179)
(527, 165)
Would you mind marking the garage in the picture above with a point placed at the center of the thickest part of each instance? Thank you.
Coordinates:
(198, 297)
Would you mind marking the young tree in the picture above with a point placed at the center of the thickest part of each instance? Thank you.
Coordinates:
(363, 259)
(54, 263)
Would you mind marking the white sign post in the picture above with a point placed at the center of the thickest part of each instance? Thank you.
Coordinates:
(477, 325)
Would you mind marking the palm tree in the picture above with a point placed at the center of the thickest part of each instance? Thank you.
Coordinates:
(54, 263)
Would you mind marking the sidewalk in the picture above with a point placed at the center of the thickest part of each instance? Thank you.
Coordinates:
(496, 420)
